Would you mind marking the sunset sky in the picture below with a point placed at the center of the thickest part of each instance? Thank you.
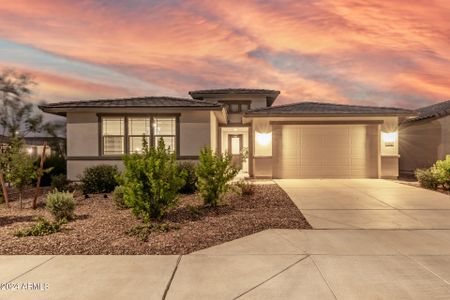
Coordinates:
(369, 52)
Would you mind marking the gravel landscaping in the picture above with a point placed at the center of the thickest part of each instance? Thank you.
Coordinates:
(101, 228)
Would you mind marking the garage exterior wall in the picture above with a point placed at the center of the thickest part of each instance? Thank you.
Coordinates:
(424, 142)
(382, 158)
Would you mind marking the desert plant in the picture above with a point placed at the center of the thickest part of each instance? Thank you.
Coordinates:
(57, 164)
(21, 168)
(42, 227)
(427, 178)
(118, 198)
(245, 188)
(99, 179)
(441, 170)
(61, 205)
(152, 180)
(60, 182)
(214, 172)
(189, 186)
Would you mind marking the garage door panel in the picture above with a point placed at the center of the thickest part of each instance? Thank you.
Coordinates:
(326, 152)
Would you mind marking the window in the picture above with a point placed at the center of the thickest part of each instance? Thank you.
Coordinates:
(165, 128)
(118, 139)
(113, 132)
(138, 129)
(236, 106)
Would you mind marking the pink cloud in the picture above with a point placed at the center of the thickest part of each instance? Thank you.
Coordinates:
(382, 52)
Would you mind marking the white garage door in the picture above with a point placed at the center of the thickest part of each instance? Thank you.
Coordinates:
(320, 151)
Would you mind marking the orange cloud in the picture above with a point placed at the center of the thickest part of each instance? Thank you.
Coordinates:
(355, 51)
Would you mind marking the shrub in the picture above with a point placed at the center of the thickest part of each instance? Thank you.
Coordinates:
(152, 181)
(214, 172)
(118, 198)
(189, 186)
(61, 205)
(42, 227)
(427, 178)
(57, 165)
(99, 179)
(60, 182)
(245, 188)
(441, 170)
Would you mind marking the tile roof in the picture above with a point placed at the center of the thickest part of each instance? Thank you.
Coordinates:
(236, 91)
(137, 102)
(437, 110)
(320, 108)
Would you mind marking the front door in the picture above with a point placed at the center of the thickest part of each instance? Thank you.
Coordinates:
(235, 149)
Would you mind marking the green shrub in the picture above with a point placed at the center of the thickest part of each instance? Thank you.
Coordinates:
(99, 179)
(214, 172)
(57, 165)
(427, 178)
(441, 170)
(152, 181)
(245, 188)
(118, 198)
(42, 227)
(60, 182)
(189, 186)
(61, 205)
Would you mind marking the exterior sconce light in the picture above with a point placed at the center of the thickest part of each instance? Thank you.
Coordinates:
(263, 139)
(389, 138)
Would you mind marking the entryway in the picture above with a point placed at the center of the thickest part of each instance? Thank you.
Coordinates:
(234, 140)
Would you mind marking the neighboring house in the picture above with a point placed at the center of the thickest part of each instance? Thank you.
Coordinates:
(425, 138)
(300, 140)
(35, 144)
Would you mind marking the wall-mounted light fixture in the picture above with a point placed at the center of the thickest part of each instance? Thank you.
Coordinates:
(389, 138)
(263, 139)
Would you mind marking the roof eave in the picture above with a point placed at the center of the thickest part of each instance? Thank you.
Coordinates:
(262, 115)
(62, 111)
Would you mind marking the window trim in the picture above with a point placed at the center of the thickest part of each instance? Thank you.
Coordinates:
(100, 117)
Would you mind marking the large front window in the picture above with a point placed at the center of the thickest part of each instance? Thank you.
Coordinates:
(118, 139)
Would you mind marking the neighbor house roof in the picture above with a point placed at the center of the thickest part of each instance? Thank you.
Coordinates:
(320, 108)
(270, 94)
(437, 110)
(139, 102)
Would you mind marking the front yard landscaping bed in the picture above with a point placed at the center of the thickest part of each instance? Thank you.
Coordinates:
(101, 228)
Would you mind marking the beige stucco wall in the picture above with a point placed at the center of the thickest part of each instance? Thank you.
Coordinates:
(390, 124)
(82, 134)
(195, 132)
(445, 134)
(419, 145)
(83, 137)
(424, 142)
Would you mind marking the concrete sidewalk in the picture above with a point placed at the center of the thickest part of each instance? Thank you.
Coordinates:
(273, 264)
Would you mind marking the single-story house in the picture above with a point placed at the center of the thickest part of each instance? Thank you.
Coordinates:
(299, 140)
(425, 138)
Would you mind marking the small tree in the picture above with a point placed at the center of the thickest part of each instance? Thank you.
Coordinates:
(214, 172)
(21, 169)
(151, 181)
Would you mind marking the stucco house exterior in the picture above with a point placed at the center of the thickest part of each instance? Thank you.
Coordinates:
(299, 140)
(425, 138)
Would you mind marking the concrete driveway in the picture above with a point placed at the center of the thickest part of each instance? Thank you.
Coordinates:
(367, 204)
